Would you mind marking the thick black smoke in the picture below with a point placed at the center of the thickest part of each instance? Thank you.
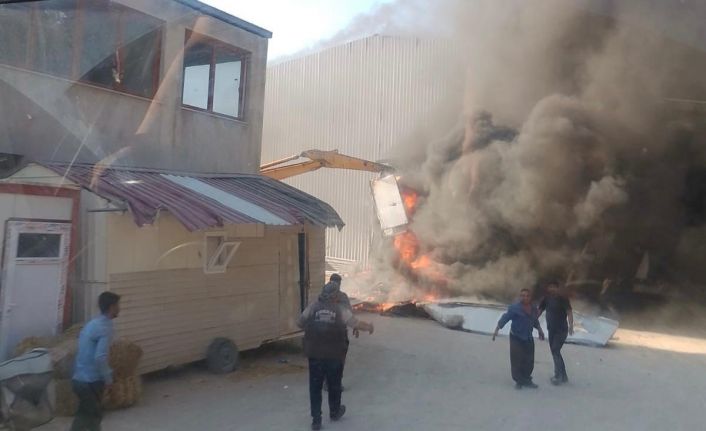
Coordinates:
(581, 150)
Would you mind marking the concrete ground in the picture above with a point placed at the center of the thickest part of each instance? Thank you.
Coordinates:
(415, 375)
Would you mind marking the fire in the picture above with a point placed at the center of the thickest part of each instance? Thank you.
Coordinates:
(410, 200)
(407, 247)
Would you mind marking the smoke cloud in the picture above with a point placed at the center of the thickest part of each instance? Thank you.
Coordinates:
(581, 146)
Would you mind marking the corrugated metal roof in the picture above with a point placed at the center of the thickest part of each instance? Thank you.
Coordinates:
(201, 201)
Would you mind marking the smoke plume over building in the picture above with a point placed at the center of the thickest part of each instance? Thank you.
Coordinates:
(580, 150)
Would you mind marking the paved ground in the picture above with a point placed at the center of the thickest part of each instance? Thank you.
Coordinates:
(414, 375)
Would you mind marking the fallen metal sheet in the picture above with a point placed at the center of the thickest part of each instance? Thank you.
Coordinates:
(482, 318)
(406, 309)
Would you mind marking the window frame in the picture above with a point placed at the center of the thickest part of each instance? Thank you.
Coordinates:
(193, 38)
(210, 260)
(78, 39)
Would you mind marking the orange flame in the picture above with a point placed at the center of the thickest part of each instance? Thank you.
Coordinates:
(407, 243)
(410, 200)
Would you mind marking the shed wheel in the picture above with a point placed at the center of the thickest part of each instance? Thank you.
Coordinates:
(222, 356)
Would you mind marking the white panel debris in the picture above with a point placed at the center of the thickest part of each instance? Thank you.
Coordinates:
(389, 206)
(482, 319)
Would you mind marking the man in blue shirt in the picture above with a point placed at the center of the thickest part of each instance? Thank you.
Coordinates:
(524, 317)
(92, 374)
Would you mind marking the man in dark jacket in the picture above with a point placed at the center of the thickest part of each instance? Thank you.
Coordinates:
(524, 317)
(325, 325)
(560, 324)
(334, 286)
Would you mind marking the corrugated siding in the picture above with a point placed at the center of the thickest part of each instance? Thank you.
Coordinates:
(361, 98)
(174, 314)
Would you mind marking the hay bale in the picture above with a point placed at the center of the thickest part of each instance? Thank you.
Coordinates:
(124, 358)
(123, 393)
(66, 400)
(63, 356)
(30, 343)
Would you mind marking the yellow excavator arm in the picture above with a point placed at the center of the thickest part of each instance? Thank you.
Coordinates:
(279, 170)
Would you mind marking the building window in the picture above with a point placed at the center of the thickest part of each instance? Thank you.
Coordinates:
(39, 245)
(218, 252)
(93, 41)
(214, 76)
(122, 49)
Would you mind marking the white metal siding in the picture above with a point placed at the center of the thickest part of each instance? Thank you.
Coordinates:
(362, 98)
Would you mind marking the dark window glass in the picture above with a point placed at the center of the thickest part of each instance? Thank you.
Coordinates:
(53, 36)
(39, 245)
(214, 75)
(98, 63)
(197, 65)
(121, 49)
(101, 42)
(14, 28)
(140, 53)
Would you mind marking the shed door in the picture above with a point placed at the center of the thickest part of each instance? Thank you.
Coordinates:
(35, 268)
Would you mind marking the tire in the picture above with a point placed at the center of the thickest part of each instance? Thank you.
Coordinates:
(222, 356)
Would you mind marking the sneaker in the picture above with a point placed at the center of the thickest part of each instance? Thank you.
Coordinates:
(531, 385)
(338, 414)
(316, 424)
(518, 386)
(556, 381)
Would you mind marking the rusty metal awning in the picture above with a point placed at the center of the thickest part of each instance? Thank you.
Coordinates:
(201, 201)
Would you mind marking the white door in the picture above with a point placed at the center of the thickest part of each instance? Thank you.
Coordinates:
(33, 288)
(388, 205)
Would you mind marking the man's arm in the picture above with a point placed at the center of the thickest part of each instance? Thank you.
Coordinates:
(502, 322)
(102, 349)
(538, 327)
(542, 306)
(353, 322)
(301, 322)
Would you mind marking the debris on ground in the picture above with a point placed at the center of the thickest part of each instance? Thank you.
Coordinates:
(483, 318)
(406, 309)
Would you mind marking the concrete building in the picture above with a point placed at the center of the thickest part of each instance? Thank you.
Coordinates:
(362, 98)
(170, 84)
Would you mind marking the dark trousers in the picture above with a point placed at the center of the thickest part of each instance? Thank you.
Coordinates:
(90, 412)
(342, 367)
(556, 342)
(521, 359)
(330, 370)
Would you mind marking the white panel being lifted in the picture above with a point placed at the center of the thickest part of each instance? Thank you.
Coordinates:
(388, 205)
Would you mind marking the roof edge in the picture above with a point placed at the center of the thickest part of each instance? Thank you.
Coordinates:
(225, 17)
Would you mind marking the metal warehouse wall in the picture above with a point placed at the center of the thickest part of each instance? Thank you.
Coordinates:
(361, 98)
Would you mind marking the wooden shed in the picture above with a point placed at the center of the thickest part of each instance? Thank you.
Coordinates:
(196, 257)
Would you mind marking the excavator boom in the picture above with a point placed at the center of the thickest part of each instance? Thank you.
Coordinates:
(278, 169)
